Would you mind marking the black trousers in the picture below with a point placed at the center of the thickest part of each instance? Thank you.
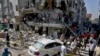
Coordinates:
(8, 44)
(91, 53)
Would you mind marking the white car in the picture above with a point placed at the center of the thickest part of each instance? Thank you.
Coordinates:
(45, 47)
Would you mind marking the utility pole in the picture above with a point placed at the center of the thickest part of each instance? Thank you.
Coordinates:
(99, 11)
(99, 19)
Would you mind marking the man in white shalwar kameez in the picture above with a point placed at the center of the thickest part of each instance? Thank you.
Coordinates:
(63, 50)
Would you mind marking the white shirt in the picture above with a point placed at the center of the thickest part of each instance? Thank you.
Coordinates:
(94, 41)
(63, 50)
(6, 34)
(73, 44)
(91, 47)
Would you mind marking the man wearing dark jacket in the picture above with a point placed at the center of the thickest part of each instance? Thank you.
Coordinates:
(7, 38)
(6, 52)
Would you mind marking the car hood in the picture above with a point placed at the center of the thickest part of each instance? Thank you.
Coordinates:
(33, 48)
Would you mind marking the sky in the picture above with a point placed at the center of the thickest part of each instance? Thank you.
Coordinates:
(92, 7)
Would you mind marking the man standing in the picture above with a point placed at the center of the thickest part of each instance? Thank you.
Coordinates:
(7, 37)
(91, 48)
(97, 48)
(6, 52)
(62, 37)
(63, 50)
(73, 46)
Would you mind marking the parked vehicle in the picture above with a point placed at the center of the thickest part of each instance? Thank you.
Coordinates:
(44, 47)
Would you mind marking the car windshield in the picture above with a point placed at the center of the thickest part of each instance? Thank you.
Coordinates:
(38, 45)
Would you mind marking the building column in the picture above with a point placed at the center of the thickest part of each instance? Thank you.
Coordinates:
(36, 29)
(44, 30)
(5, 8)
(50, 31)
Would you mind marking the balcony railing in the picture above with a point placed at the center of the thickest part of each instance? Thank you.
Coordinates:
(50, 23)
(29, 10)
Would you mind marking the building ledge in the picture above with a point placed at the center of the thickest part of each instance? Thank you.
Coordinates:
(29, 10)
(47, 25)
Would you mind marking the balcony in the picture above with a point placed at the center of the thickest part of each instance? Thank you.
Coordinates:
(29, 10)
(46, 24)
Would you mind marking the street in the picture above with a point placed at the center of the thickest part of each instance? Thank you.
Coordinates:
(24, 52)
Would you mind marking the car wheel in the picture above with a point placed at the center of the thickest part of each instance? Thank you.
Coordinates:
(46, 55)
(58, 53)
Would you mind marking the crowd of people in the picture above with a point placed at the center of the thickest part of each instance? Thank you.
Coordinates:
(76, 44)
(81, 43)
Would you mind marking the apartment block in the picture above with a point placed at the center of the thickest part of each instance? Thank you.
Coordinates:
(48, 14)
